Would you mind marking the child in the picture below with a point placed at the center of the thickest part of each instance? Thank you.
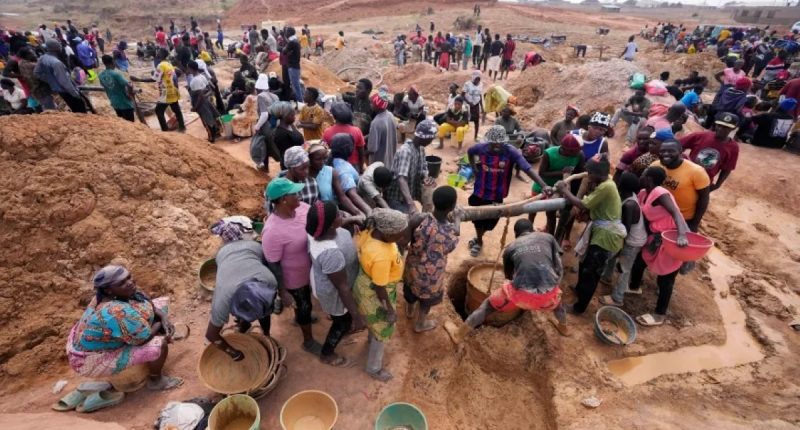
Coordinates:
(633, 221)
(431, 237)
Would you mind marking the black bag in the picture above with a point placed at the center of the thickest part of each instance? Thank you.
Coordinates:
(440, 118)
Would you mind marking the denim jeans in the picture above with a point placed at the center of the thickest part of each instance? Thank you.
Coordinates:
(626, 258)
(294, 78)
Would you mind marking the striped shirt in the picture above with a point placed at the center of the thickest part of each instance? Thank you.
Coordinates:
(493, 171)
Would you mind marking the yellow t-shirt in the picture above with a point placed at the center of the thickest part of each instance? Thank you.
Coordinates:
(723, 35)
(683, 183)
(381, 261)
(205, 56)
(339, 42)
(165, 75)
(317, 115)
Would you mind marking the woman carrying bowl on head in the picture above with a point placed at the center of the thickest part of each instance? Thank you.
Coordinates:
(662, 214)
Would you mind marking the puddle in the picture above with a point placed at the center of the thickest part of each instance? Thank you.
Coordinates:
(765, 218)
(739, 347)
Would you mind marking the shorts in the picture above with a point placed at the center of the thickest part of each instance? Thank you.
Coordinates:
(507, 64)
(493, 65)
(508, 298)
(483, 224)
(412, 298)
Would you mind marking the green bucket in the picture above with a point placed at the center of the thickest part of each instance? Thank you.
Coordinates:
(226, 118)
(258, 226)
(403, 415)
(208, 274)
(238, 411)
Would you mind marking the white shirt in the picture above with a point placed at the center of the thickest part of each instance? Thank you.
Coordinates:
(198, 83)
(14, 97)
(472, 92)
(630, 50)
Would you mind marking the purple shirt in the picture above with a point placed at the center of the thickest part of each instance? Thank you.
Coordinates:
(493, 171)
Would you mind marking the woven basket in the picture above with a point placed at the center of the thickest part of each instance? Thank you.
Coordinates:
(222, 375)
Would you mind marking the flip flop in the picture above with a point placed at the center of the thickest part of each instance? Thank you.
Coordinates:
(101, 400)
(165, 383)
(315, 348)
(608, 301)
(427, 325)
(648, 320)
(474, 248)
(382, 375)
(69, 402)
(341, 362)
(91, 386)
(182, 331)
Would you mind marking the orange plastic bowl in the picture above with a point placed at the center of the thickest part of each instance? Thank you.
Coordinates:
(697, 248)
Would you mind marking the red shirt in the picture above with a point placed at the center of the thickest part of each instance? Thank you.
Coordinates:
(353, 131)
(161, 38)
(708, 152)
(792, 89)
(508, 49)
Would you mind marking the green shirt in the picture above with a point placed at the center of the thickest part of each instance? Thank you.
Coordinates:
(557, 162)
(604, 204)
(115, 85)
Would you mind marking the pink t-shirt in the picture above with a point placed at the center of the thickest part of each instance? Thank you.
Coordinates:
(659, 220)
(729, 77)
(286, 241)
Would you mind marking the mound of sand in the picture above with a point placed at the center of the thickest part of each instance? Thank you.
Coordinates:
(432, 84)
(545, 90)
(80, 191)
(317, 76)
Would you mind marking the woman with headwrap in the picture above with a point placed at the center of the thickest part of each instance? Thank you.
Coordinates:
(247, 116)
(382, 139)
(343, 116)
(328, 181)
(285, 134)
(122, 328)
(375, 290)
(341, 148)
(285, 245)
(238, 91)
(244, 288)
(334, 268)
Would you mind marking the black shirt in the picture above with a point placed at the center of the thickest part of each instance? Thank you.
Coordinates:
(184, 54)
(292, 52)
(772, 128)
(497, 47)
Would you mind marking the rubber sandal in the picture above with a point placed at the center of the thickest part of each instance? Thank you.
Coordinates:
(69, 402)
(636, 292)
(648, 320)
(165, 383)
(100, 400)
(182, 331)
(427, 326)
(89, 387)
(608, 301)
(475, 249)
(382, 375)
(340, 361)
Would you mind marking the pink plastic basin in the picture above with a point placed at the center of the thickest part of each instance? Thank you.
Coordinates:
(698, 246)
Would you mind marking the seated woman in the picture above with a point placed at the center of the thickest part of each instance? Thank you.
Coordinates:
(122, 328)
(245, 120)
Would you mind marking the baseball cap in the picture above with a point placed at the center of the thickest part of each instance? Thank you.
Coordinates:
(662, 134)
(280, 187)
(727, 119)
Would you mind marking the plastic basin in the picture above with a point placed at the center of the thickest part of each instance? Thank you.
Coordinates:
(239, 412)
(455, 180)
(309, 410)
(403, 415)
(698, 247)
(208, 274)
(226, 118)
(614, 327)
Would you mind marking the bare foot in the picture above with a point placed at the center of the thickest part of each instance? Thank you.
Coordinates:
(562, 329)
(456, 333)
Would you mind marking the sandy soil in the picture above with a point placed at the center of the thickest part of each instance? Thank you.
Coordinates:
(725, 359)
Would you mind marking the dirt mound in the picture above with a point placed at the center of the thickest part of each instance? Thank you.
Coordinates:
(546, 89)
(317, 76)
(77, 197)
(430, 81)
(679, 66)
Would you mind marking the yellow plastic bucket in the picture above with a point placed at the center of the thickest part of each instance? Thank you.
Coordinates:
(309, 410)
(237, 412)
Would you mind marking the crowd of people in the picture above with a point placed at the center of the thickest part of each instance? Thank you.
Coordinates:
(347, 221)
